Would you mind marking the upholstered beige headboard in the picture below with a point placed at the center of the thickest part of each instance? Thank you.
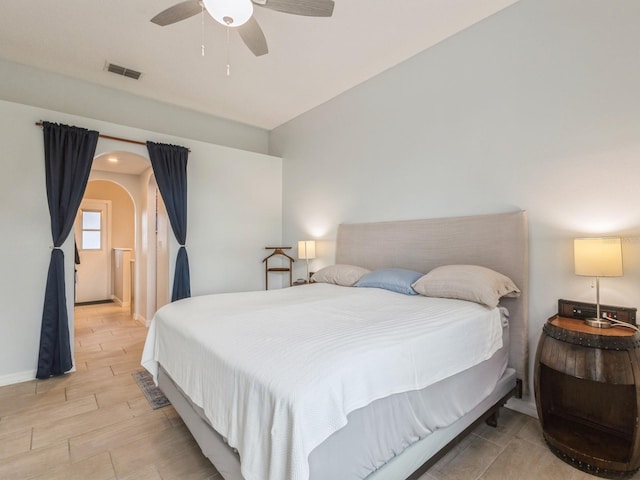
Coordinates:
(499, 242)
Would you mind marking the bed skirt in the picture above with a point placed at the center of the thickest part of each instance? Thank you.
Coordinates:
(414, 459)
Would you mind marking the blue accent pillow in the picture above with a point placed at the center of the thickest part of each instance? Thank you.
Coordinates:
(394, 279)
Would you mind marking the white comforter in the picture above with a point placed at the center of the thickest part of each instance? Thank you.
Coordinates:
(277, 372)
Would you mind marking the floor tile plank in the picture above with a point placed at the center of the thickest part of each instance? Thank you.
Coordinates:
(526, 461)
(44, 414)
(68, 427)
(119, 434)
(15, 443)
(94, 468)
(35, 462)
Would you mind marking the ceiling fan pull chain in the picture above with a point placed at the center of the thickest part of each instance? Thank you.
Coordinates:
(202, 27)
(228, 64)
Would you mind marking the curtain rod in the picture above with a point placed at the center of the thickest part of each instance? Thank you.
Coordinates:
(119, 139)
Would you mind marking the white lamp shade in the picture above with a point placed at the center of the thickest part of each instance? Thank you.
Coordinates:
(231, 13)
(306, 249)
(598, 257)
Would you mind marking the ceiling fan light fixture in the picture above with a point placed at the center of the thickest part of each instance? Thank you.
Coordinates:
(230, 13)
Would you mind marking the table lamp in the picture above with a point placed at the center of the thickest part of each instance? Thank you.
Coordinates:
(307, 251)
(598, 257)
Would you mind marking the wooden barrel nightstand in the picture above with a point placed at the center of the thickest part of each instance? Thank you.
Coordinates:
(587, 395)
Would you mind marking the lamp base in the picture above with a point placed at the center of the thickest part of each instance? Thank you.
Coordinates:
(598, 322)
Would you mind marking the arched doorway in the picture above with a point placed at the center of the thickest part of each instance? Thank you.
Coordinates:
(132, 174)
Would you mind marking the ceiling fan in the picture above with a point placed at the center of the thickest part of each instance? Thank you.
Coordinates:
(239, 14)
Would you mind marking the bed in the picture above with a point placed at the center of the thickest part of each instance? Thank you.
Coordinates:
(352, 407)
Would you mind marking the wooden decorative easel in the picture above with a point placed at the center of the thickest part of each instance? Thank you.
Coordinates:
(267, 269)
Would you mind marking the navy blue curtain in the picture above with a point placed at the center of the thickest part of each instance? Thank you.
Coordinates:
(68, 154)
(169, 164)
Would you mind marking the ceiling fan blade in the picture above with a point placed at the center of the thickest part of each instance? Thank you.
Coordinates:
(178, 12)
(310, 8)
(253, 37)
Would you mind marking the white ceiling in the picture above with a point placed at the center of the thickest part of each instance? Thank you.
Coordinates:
(310, 60)
(120, 162)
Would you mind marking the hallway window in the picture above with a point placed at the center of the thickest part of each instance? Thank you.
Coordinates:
(91, 230)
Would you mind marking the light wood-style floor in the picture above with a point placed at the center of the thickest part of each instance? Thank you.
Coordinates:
(95, 424)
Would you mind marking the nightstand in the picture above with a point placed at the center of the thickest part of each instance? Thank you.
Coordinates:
(587, 395)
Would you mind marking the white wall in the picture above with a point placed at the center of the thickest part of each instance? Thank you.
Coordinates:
(234, 210)
(122, 210)
(31, 86)
(26, 238)
(535, 108)
(240, 198)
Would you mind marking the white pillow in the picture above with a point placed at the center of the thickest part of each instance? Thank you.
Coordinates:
(344, 275)
(467, 282)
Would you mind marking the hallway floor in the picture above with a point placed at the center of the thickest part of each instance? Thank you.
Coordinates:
(96, 424)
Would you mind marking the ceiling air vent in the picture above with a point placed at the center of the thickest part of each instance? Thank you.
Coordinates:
(125, 72)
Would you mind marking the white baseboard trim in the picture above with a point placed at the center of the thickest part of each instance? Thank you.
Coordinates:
(21, 377)
(139, 318)
(523, 406)
(120, 303)
(18, 377)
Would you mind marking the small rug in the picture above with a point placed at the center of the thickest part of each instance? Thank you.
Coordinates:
(153, 394)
